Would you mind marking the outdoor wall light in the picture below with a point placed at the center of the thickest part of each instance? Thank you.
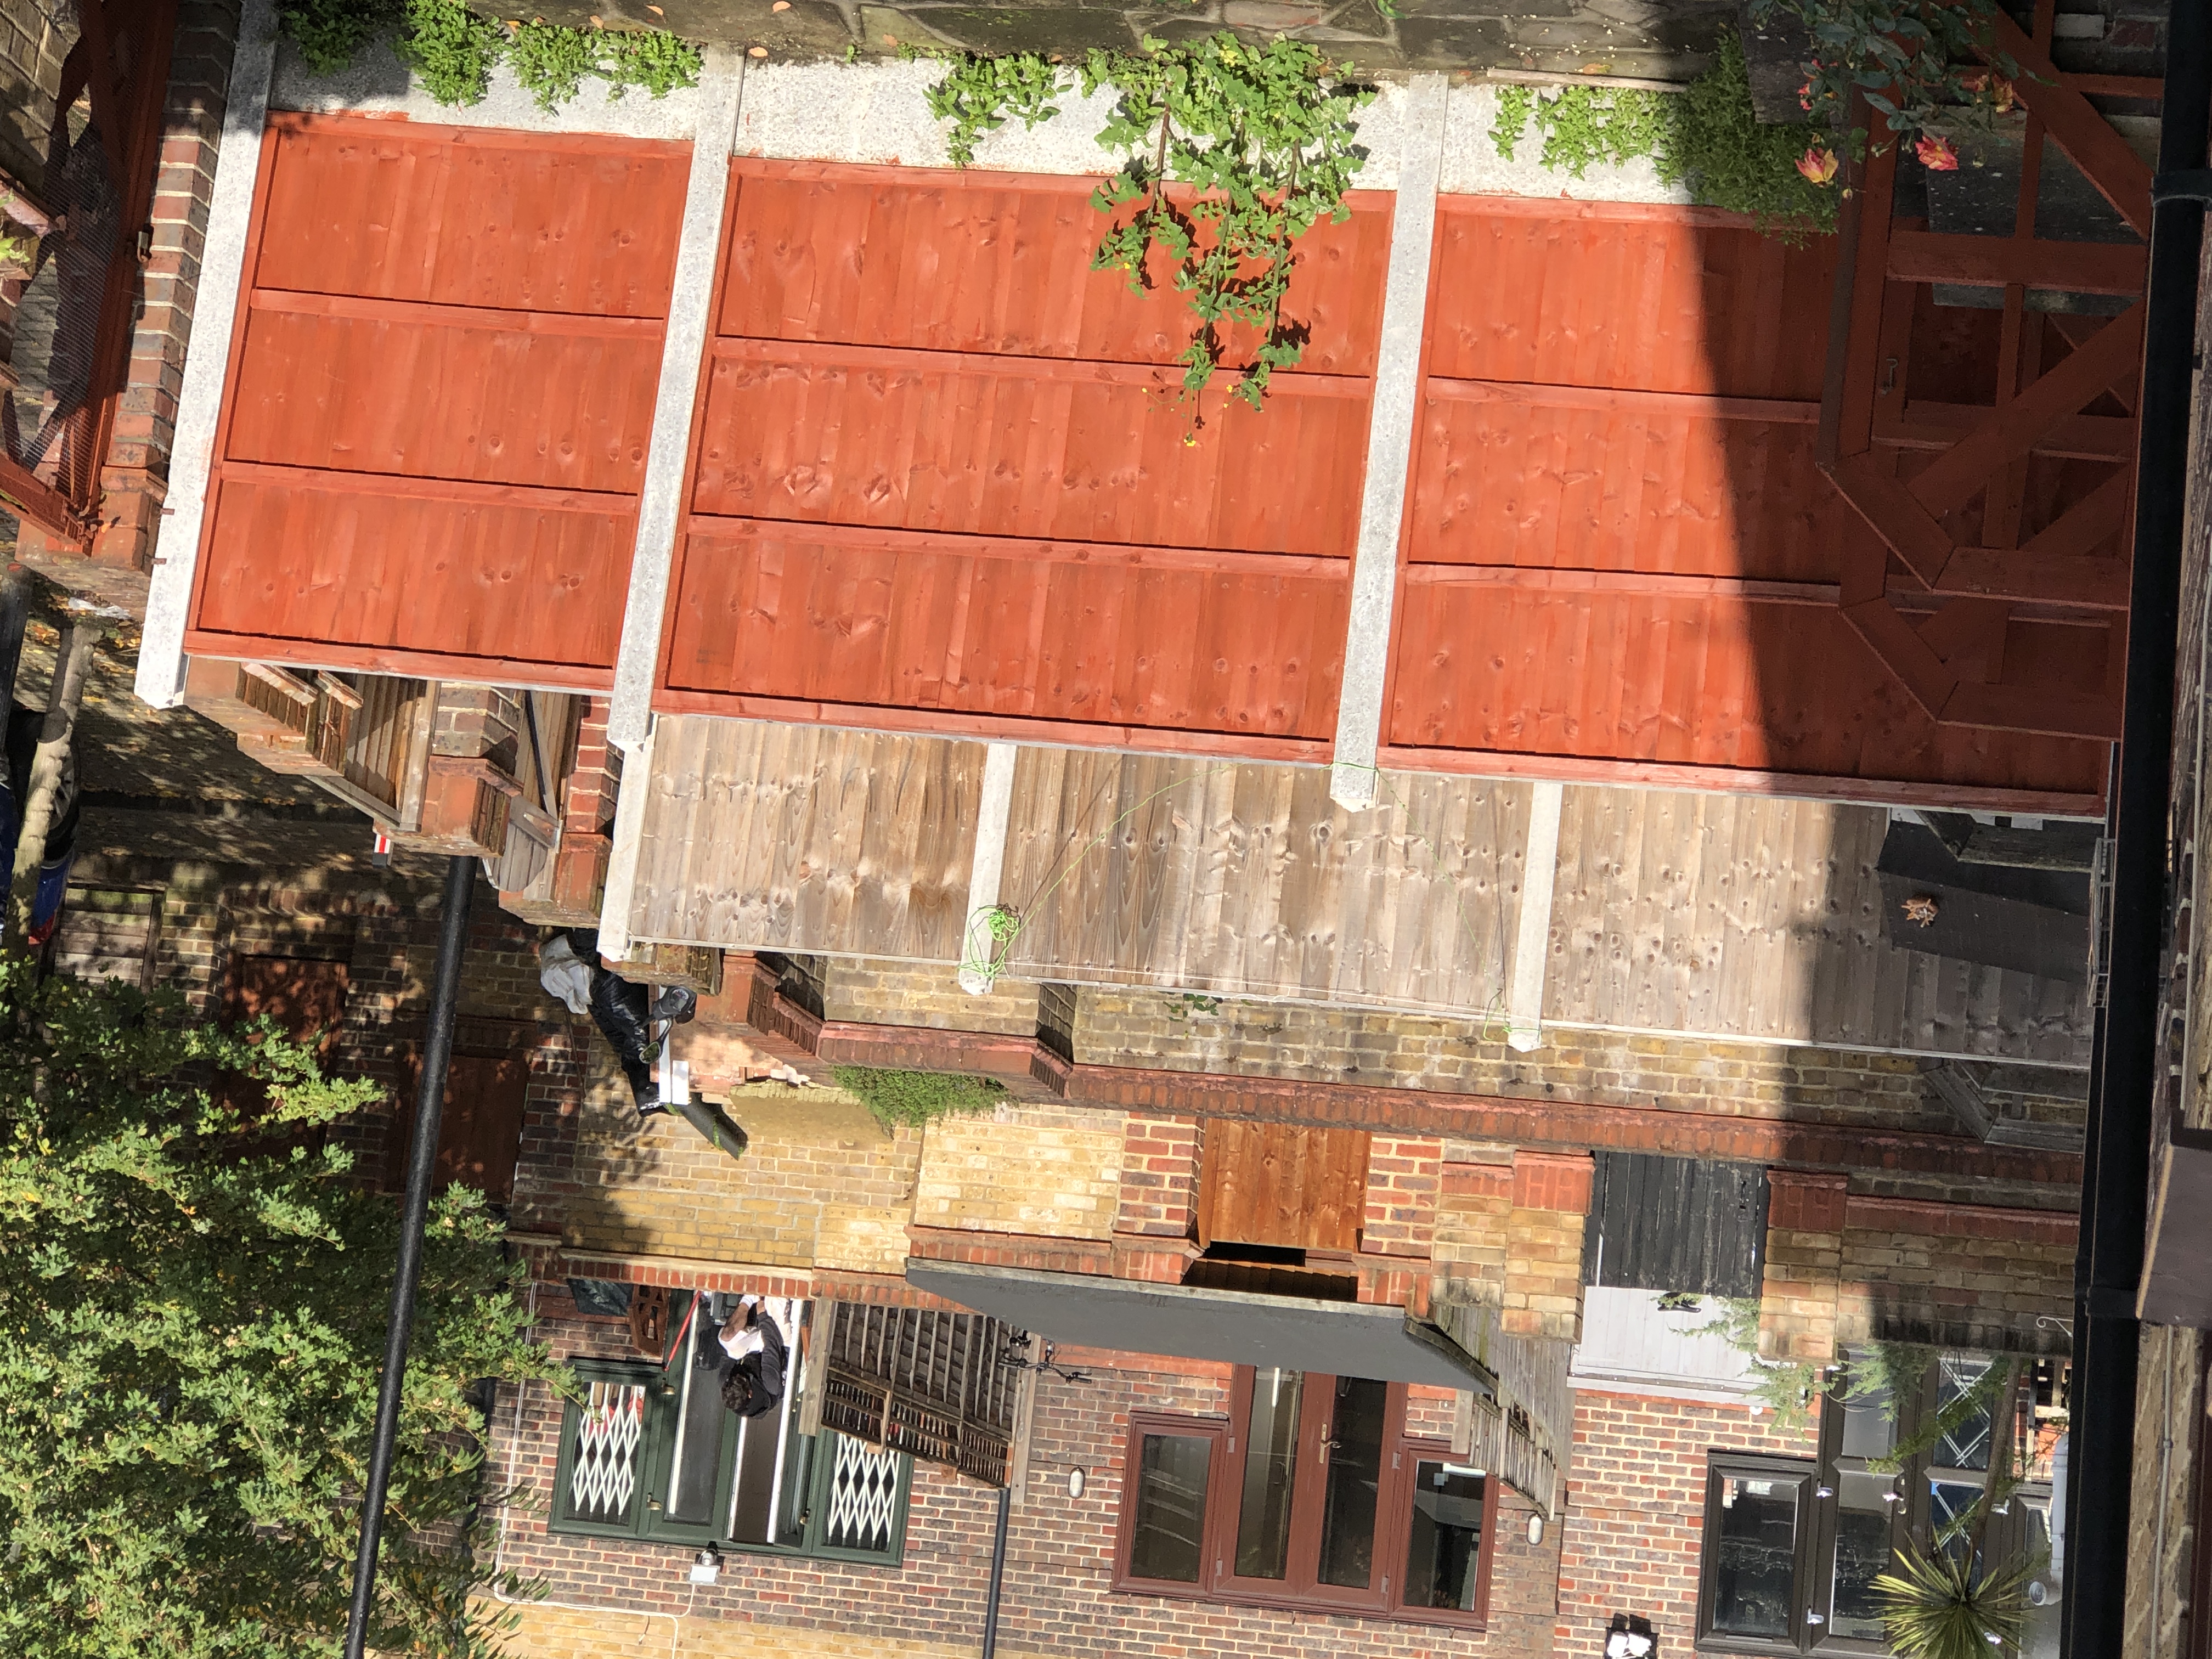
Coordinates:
(1628, 1640)
(707, 1565)
(1535, 1528)
(1075, 1483)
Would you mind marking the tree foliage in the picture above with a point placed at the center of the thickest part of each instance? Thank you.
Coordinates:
(452, 50)
(1787, 1388)
(1924, 65)
(194, 1294)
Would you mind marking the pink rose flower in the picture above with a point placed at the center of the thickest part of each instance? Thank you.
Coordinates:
(1936, 153)
(1818, 165)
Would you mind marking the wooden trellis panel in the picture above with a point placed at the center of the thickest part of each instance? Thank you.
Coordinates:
(929, 1383)
(1997, 591)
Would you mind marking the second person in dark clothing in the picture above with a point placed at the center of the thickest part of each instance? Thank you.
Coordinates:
(754, 1341)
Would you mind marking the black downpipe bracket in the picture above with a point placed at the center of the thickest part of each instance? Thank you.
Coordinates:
(998, 1575)
(414, 1211)
(2116, 1172)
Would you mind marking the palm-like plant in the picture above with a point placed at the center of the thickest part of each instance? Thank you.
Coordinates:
(1937, 1606)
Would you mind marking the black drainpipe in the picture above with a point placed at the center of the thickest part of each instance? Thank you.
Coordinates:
(414, 1211)
(998, 1576)
(2116, 1171)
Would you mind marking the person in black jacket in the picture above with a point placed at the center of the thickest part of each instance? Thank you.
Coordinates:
(633, 1018)
(754, 1383)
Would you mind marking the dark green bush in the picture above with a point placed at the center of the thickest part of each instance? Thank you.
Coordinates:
(453, 49)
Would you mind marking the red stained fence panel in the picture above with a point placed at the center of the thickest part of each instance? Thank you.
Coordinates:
(943, 480)
(1621, 561)
(439, 400)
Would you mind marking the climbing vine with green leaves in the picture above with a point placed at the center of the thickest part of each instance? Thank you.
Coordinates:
(452, 50)
(1707, 137)
(1231, 153)
(1930, 66)
(1788, 1387)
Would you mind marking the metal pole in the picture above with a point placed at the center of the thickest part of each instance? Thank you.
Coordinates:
(2130, 1053)
(414, 1211)
(998, 1575)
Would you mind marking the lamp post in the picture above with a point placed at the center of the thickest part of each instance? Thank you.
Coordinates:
(414, 1211)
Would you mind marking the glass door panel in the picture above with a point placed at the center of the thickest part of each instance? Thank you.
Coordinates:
(799, 1452)
(697, 1457)
(1755, 1558)
(1443, 1547)
(1269, 1455)
(1863, 1512)
(1359, 1416)
(1967, 1445)
(1167, 1541)
(604, 1472)
(1869, 1425)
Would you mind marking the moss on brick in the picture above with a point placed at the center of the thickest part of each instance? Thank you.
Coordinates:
(916, 1097)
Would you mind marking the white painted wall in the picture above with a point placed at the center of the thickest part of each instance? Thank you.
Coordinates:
(1627, 1339)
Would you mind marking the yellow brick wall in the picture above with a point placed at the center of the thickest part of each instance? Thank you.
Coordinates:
(1524, 1258)
(1544, 1272)
(1955, 1292)
(1797, 1294)
(1471, 1212)
(549, 1632)
(820, 1183)
(873, 992)
(1041, 1170)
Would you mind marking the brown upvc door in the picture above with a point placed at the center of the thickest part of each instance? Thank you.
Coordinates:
(1353, 1477)
(1313, 1477)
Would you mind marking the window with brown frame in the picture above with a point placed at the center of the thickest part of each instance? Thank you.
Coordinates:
(1308, 1494)
(1792, 1546)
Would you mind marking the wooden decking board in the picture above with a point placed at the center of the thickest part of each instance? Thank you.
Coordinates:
(1756, 918)
(804, 839)
(1761, 919)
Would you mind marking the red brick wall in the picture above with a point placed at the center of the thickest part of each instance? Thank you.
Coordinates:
(1635, 1512)
(388, 942)
(1403, 1175)
(200, 81)
(134, 473)
(1553, 1181)
(1159, 1176)
(1060, 1555)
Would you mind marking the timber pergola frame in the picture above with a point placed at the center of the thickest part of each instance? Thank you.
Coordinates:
(1957, 599)
(128, 118)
